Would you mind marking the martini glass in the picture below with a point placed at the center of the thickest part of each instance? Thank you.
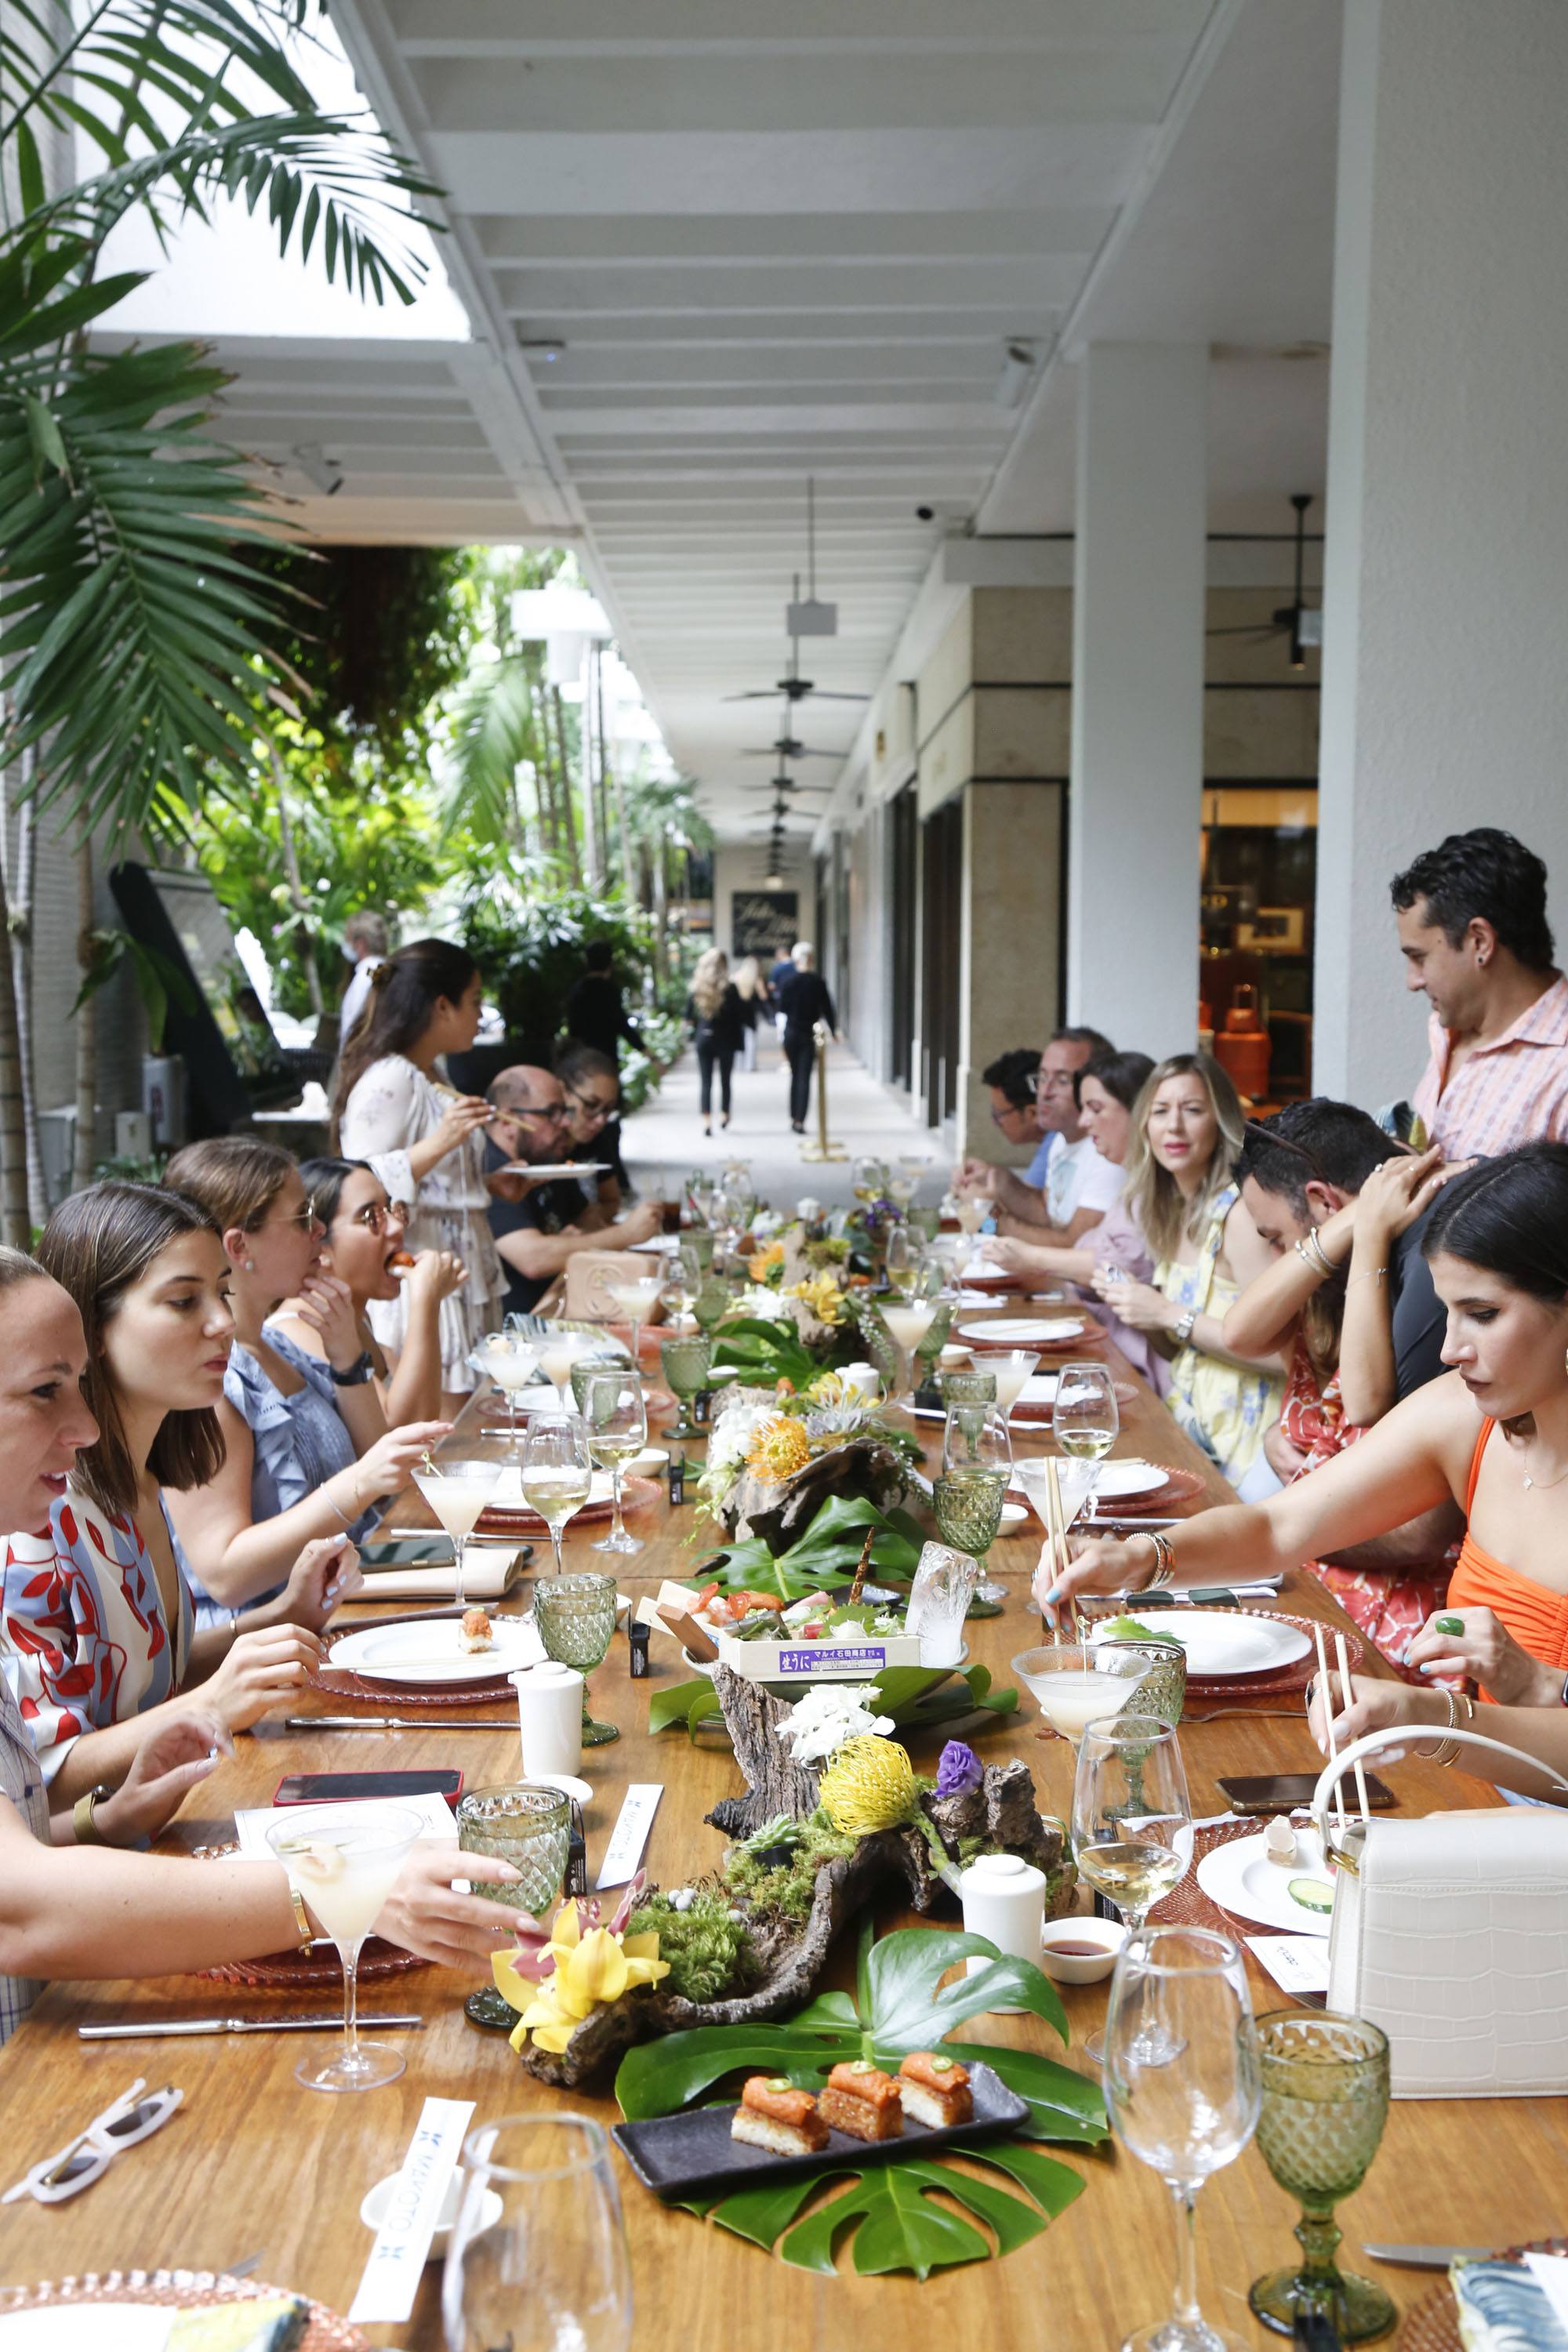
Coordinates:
(345, 1861)
(1013, 1373)
(457, 1491)
(908, 1321)
(510, 1363)
(618, 1433)
(636, 1300)
(557, 1351)
(1074, 1686)
(557, 1474)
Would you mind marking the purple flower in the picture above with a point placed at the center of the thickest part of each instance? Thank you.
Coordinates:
(958, 1771)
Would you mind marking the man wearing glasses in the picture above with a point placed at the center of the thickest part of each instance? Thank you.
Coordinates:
(538, 1234)
(1068, 1187)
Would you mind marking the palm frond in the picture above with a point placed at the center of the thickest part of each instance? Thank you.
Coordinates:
(494, 726)
(127, 620)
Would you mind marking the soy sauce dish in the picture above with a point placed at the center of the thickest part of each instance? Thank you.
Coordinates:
(1080, 1951)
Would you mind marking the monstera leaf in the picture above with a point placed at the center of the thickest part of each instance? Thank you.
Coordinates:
(824, 1558)
(893, 2208)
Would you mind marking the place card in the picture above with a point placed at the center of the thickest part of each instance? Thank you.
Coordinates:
(402, 2247)
(629, 1835)
(1297, 1964)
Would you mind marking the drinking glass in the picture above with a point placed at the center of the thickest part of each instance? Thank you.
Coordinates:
(526, 1825)
(510, 1363)
(1191, 2109)
(684, 1361)
(703, 1189)
(583, 1369)
(559, 1349)
(712, 1303)
(970, 1214)
(967, 1388)
(976, 1435)
(1325, 2096)
(1013, 1373)
(457, 1491)
(575, 1616)
(866, 1180)
(551, 2269)
(1131, 1821)
(345, 1861)
(1084, 1419)
(618, 1433)
(943, 1586)
(1075, 1685)
(696, 1255)
(907, 1321)
(901, 1261)
(1161, 1670)
(557, 1474)
(967, 1506)
(637, 1299)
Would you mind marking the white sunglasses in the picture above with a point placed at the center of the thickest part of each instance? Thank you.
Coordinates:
(91, 2152)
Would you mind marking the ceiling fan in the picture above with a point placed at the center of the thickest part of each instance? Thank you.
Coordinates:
(794, 688)
(1301, 622)
(784, 785)
(789, 747)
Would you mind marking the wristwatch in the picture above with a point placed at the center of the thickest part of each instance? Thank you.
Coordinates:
(84, 1827)
(358, 1372)
(1182, 1331)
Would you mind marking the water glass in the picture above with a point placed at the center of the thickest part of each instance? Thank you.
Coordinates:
(585, 1368)
(968, 1509)
(940, 1595)
(1161, 1668)
(550, 2270)
(685, 1359)
(527, 1826)
(1325, 2098)
(575, 1616)
(976, 1436)
(1188, 2109)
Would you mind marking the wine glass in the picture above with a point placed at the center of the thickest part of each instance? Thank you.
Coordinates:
(344, 1860)
(1084, 1419)
(866, 1180)
(457, 1491)
(901, 1261)
(557, 1474)
(510, 1363)
(684, 1360)
(551, 2267)
(618, 1433)
(1189, 2110)
(575, 1616)
(1131, 1820)
(637, 1299)
(1325, 2098)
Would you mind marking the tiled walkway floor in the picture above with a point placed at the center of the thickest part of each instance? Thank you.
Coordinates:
(863, 1117)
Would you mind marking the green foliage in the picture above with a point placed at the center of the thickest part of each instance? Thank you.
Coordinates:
(709, 1950)
(528, 939)
(919, 1698)
(787, 1888)
(900, 2005)
(825, 1557)
(158, 982)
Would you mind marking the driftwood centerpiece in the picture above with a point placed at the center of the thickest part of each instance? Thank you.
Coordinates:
(779, 1512)
(791, 1954)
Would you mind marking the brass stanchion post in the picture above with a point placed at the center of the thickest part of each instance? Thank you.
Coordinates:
(822, 1149)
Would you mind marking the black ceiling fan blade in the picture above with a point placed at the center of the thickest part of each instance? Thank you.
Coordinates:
(753, 694)
(1252, 629)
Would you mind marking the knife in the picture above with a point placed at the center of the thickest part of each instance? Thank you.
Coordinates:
(389, 1723)
(182, 2025)
(1429, 2258)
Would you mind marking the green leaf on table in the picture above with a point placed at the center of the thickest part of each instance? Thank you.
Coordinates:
(688, 1703)
(1063, 2106)
(655, 2078)
(898, 2226)
(904, 2010)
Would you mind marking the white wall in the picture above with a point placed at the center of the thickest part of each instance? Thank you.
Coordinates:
(1445, 686)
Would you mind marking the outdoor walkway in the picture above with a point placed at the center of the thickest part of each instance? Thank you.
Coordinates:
(863, 1118)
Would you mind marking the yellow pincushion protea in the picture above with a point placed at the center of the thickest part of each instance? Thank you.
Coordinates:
(779, 1448)
(823, 1295)
(766, 1258)
(870, 1785)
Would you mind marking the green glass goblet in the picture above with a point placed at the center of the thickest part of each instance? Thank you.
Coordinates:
(968, 1506)
(576, 1616)
(685, 1359)
(531, 1827)
(711, 1303)
(1325, 2098)
(967, 1388)
(1163, 1684)
(582, 1372)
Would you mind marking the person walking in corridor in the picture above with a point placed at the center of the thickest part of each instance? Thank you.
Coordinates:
(713, 1009)
(805, 1001)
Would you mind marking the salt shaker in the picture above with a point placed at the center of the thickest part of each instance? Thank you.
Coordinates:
(1005, 1901)
(550, 1713)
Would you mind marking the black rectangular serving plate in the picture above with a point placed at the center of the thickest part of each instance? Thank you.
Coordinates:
(683, 2155)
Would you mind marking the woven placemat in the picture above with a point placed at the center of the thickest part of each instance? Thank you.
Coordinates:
(1433, 2326)
(1188, 1906)
(303, 1971)
(1282, 1682)
(326, 2330)
(393, 1698)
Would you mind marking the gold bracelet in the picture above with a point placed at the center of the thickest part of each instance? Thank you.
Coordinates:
(1447, 1749)
(83, 1827)
(1165, 1564)
(301, 1916)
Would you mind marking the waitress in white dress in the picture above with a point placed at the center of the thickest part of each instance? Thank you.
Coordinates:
(393, 1105)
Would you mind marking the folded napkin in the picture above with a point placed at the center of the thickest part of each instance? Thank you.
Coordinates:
(484, 1578)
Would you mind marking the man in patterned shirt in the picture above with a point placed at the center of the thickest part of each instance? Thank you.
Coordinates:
(1475, 942)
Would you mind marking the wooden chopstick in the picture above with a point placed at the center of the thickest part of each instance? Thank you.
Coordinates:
(1343, 1663)
(1328, 1720)
(1059, 1534)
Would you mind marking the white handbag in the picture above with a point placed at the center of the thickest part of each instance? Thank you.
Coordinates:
(1451, 1934)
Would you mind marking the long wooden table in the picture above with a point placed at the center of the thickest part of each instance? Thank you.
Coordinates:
(255, 2162)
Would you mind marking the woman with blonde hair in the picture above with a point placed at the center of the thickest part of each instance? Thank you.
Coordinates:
(713, 1009)
(1187, 1130)
(753, 991)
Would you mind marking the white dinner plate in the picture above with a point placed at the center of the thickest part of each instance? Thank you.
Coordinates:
(429, 1651)
(560, 1168)
(1118, 1481)
(1223, 1641)
(1241, 1878)
(1021, 1330)
(658, 1246)
(509, 1496)
(1040, 1388)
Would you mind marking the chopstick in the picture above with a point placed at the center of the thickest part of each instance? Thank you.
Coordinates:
(1057, 1535)
(1329, 1720)
(1343, 1663)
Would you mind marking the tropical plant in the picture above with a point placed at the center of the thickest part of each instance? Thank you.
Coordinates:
(527, 935)
(891, 2208)
(130, 601)
(918, 1698)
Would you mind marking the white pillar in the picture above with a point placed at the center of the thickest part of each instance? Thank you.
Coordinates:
(1445, 699)
(1135, 807)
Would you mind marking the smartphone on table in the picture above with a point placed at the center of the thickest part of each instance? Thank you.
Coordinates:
(349, 1788)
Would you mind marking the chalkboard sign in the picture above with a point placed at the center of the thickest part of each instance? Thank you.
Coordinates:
(764, 923)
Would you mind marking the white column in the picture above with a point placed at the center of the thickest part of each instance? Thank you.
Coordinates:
(1444, 698)
(1135, 808)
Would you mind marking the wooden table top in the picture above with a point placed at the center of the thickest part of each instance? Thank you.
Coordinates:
(255, 2162)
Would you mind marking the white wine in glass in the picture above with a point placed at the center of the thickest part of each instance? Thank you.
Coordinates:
(617, 1432)
(1130, 1818)
(557, 1474)
(1085, 1422)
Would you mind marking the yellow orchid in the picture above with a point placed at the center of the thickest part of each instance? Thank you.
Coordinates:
(828, 1388)
(822, 1295)
(591, 1970)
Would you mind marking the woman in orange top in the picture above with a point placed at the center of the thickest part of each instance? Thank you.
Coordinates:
(1497, 1245)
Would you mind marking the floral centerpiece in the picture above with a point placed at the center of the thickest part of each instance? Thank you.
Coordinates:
(770, 1449)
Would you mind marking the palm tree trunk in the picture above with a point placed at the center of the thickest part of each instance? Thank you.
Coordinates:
(573, 861)
(593, 834)
(85, 1143)
(16, 1225)
(660, 911)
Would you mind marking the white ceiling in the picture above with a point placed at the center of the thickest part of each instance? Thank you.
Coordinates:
(776, 243)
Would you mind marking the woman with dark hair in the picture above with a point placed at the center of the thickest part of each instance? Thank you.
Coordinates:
(97, 1612)
(391, 1105)
(1498, 1247)
(362, 1253)
(68, 1905)
(306, 1448)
